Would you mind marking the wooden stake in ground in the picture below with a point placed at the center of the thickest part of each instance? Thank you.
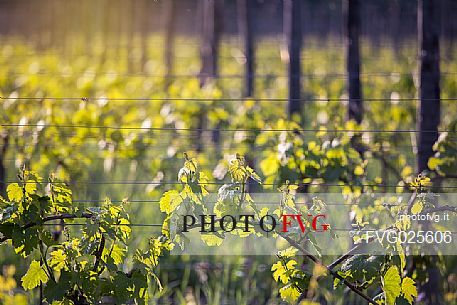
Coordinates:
(351, 10)
(209, 39)
(170, 16)
(428, 115)
(211, 27)
(293, 35)
(245, 21)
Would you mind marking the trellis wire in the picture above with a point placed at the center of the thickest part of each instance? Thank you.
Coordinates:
(229, 130)
(157, 225)
(201, 184)
(223, 99)
(224, 76)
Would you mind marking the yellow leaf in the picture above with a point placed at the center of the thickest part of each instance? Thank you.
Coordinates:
(289, 252)
(170, 201)
(34, 276)
(408, 289)
(30, 187)
(358, 171)
(417, 207)
(279, 272)
(293, 187)
(14, 192)
(391, 285)
(291, 264)
(117, 254)
(289, 293)
(212, 240)
(406, 171)
(307, 180)
(270, 165)
(433, 163)
(311, 145)
(58, 258)
(237, 170)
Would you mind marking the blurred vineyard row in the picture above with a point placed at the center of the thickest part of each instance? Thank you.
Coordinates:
(110, 122)
(104, 77)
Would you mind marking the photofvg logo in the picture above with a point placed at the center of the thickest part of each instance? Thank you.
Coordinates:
(328, 226)
(268, 223)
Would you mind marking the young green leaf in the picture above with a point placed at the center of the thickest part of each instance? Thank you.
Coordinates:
(34, 276)
(289, 293)
(14, 192)
(170, 201)
(409, 289)
(391, 285)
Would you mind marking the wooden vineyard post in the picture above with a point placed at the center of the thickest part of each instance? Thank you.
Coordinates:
(428, 115)
(245, 20)
(211, 27)
(293, 34)
(352, 28)
(170, 16)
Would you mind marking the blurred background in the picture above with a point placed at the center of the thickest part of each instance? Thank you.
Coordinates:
(109, 94)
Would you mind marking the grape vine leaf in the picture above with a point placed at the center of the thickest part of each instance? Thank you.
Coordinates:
(417, 207)
(57, 260)
(34, 276)
(117, 253)
(289, 293)
(362, 268)
(212, 240)
(391, 285)
(280, 271)
(269, 165)
(408, 289)
(170, 201)
(14, 192)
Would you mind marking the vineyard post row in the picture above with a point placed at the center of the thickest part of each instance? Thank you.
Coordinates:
(428, 20)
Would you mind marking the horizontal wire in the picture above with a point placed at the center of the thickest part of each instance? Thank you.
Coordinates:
(191, 135)
(271, 41)
(254, 224)
(227, 76)
(214, 202)
(176, 136)
(93, 143)
(203, 184)
(150, 43)
(192, 58)
(209, 153)
(207, 148)
(229, 130)
(228, 99)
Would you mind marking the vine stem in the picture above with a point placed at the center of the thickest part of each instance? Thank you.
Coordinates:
(98, 254)
(333, 273)
(51, 218)
(350, 253)
(43, 259)
(356, 247)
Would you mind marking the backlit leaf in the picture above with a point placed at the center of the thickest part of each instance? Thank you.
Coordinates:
(391, 285)
(408, 289)
(170, 201)
(289, 293)
(14, 192)
(34, 276)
